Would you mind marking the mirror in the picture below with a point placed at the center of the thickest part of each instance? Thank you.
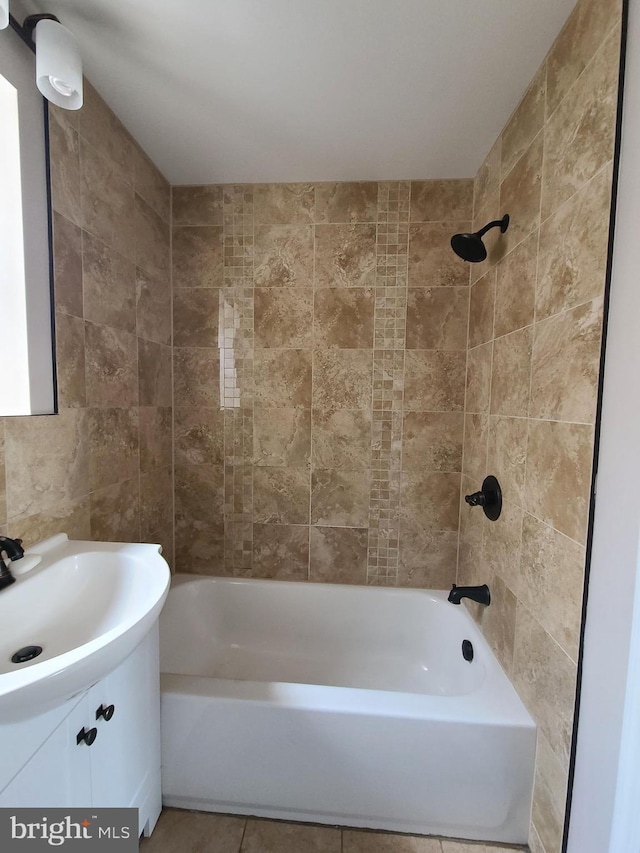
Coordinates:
(27, 354)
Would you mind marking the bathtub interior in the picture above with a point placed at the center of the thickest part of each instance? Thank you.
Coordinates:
(407, 641)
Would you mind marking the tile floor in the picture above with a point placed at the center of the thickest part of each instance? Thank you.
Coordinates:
(199, 832)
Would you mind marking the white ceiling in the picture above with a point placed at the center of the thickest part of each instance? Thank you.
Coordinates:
(312, 90)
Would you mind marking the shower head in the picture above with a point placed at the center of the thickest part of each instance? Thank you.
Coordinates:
(470, 247)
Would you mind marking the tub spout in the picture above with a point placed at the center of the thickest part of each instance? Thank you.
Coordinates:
(480, 594)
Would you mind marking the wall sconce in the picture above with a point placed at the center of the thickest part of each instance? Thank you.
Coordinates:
(4, 14)
(58, 61)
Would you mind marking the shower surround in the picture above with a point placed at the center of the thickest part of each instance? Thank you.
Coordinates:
(319, 379)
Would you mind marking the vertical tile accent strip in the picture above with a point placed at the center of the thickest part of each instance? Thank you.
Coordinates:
(392, 250)
(236, 342)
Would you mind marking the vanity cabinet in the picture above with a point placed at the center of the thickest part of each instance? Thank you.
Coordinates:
(105, 752)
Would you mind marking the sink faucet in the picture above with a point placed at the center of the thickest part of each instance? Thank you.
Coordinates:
(14, 551)
(480, 594)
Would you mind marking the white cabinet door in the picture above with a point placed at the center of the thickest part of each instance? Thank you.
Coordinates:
(126, 749)
(58, 775)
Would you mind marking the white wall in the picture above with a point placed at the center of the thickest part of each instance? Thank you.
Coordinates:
(606, 793)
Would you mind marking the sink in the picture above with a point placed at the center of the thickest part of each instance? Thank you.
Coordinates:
(87, 605)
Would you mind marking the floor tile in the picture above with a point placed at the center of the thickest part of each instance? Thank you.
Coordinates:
(265, 836)
(180, 831)
(374, 842)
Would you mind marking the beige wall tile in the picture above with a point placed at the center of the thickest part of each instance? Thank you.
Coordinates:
(101, 128)
(198, 435)
(64, 147)
(526, 122)
(156, 502)
(432, 441)
(579, 136)
(196, 205)
(282, 437)
(545, 678)
(345, 255)
(343, 318)
(151, 239)
(573, 249)
(150, 184)
(346, 202)
(565, 364)
(478, 386)
(115, 512)
(47, 461)
(67, 516)
(109, 282)
(511, 375)
(111, 367)
(153, 307)
(516, 287)
(558, 480)
(196, 378)
(481, 309)
(486, 185)
(437, 318)
(199, 533)
(340, 498)
(338, 555)
(154, 373)
(284, 256)
(433, 201)
(67, 266)
(434, 381)
(431, 499)
(70, 361)
(501, 543)
(520, 195)
(283, 378)
(108, 206)
(476, 431)
(432, 263)
(156, 448)
(284, 203)
(281, 495)
(498, 622)
(507, 455)
(113, 446)
(342, 438)
(550, 796)
(427, 558)
(196, 317)
(582, 35)
(551, 575)
(281, 551)
(197, 256)
(342, 379)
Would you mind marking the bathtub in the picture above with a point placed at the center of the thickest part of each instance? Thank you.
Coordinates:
(340, 705)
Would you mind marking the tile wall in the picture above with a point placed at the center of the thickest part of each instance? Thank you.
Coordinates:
(535, 326)
(102, 468)
(320, 336)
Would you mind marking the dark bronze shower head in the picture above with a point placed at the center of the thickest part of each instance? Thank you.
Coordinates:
(470, 247)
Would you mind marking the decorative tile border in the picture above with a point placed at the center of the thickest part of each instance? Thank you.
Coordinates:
(392, 250)
(236, 342)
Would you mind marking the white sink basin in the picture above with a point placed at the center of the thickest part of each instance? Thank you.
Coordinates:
(88, 605)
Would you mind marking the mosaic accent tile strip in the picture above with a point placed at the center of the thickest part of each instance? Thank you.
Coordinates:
(390, 312)
(236, 342)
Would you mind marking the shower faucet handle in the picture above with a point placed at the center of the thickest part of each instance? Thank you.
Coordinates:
(489, 498)
(476, 499)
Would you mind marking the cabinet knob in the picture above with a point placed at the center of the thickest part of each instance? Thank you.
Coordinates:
(105, 712)
(86, 736)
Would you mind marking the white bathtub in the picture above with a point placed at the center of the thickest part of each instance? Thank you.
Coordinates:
(341, 705)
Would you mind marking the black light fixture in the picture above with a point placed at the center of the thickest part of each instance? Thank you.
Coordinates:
(470, 247)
